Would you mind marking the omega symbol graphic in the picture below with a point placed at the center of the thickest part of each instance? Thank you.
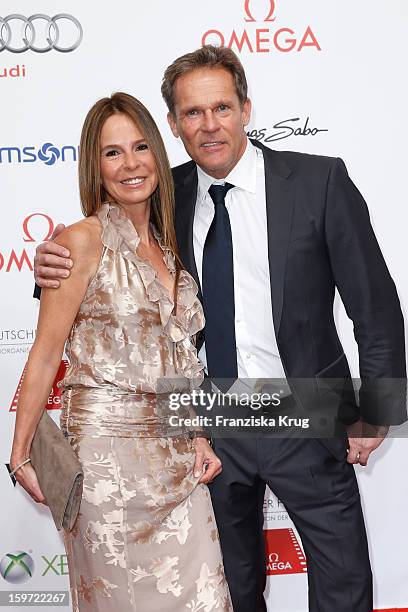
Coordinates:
(250, 14)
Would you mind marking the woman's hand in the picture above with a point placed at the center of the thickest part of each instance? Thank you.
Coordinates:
(27, 478)
(207, 462)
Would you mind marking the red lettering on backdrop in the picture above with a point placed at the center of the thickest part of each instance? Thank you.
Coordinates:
(269, 16)
(19, 262)
(290, 41)
(29, 237)
(313, 41)
(260, 40)
(208, 33)
(14, 72)
(240, 43)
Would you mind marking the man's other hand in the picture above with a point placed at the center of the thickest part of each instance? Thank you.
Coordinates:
(363, 440)
(207, 465)
(51, 262)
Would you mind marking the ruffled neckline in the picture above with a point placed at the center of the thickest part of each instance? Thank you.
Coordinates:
(125, 237)
(120, 235)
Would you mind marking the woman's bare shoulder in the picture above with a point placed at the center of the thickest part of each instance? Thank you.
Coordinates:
(83, 240)
(82, 235)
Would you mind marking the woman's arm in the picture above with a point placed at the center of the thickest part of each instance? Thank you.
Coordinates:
(58, 310)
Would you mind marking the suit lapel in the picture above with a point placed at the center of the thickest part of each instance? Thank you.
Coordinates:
(280, 199)
(186, 195)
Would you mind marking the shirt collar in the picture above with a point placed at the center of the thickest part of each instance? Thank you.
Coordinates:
(243, 175)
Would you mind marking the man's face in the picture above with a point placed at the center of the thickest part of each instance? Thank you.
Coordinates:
(210, 120)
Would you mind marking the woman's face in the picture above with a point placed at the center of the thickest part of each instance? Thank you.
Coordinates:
(128, 168)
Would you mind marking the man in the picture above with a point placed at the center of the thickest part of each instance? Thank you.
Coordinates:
(268, 236)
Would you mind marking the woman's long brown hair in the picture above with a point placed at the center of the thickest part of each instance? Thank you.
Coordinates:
(91, 190)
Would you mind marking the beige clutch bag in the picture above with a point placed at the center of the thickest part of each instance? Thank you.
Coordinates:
(59, 472)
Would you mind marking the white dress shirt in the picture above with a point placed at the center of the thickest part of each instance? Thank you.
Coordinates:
(257, 350)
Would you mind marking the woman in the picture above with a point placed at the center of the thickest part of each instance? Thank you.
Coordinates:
(145, 537)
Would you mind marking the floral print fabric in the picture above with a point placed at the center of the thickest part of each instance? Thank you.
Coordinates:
(126, 332)
(145, 538)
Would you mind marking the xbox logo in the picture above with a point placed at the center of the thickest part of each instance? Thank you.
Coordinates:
(17, 567)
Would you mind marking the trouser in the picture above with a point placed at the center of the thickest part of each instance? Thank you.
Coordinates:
(320, 493)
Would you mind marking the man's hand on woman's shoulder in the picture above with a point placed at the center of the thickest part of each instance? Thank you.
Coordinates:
(81, 240)
(51, 261)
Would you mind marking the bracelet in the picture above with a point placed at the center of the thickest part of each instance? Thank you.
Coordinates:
(19, 466)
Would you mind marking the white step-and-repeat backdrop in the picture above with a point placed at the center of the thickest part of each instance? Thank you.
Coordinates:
(326, 77)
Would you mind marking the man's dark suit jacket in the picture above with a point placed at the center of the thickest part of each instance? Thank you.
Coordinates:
(320, 238)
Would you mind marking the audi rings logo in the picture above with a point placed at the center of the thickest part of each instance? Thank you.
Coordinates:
(40, 33)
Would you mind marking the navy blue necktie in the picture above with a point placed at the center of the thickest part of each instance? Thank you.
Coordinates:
(218, 291)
